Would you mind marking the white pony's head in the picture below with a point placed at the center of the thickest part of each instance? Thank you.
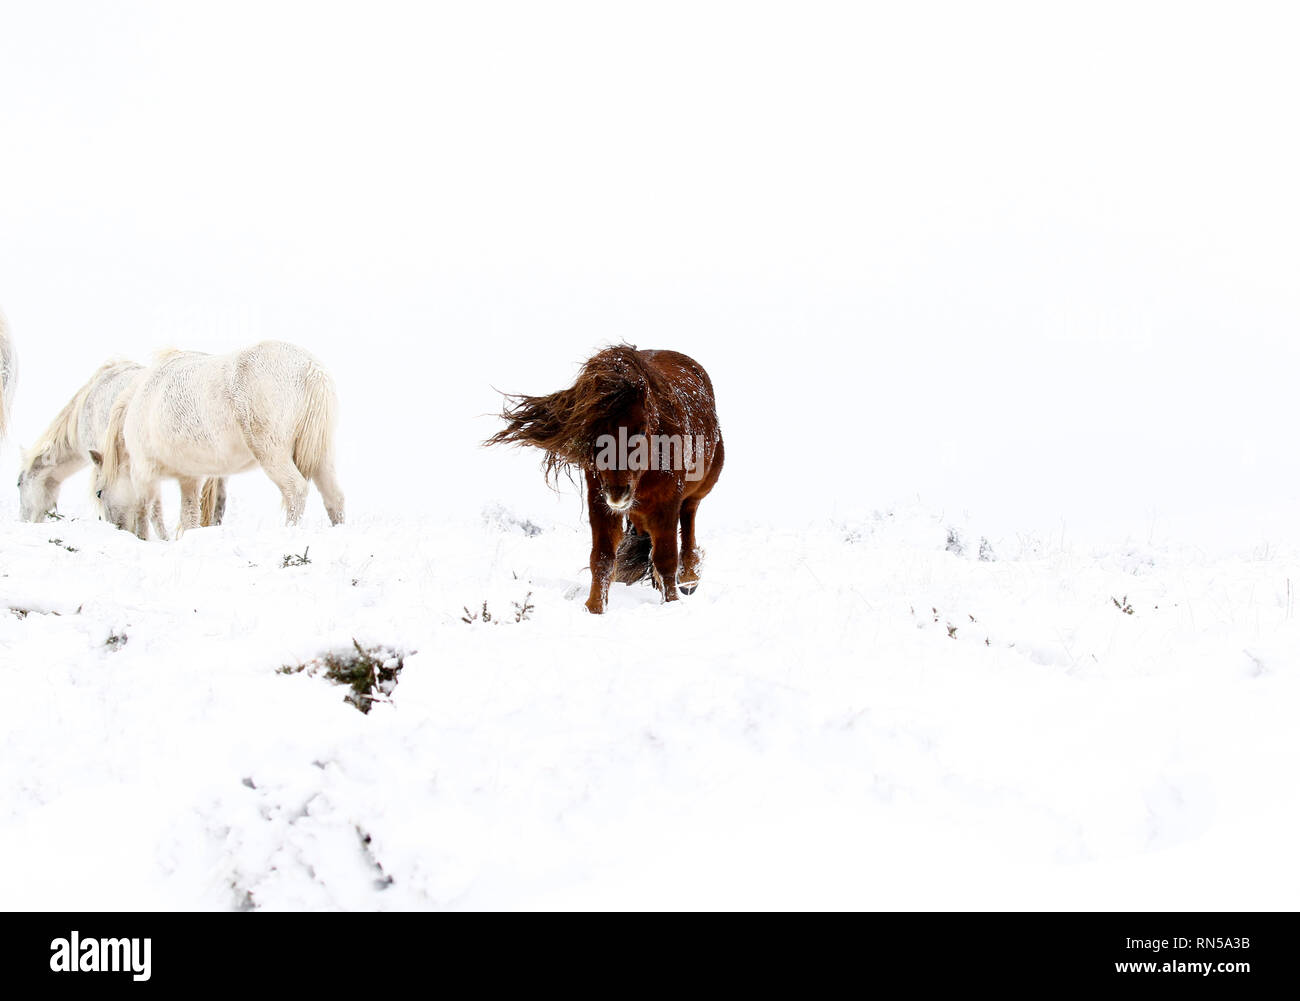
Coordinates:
(113, 494)
(110, 477)
(38, 490)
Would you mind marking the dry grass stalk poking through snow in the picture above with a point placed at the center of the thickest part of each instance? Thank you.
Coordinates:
(370, 672)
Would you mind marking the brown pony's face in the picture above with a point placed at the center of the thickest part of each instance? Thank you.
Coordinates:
(621, 456)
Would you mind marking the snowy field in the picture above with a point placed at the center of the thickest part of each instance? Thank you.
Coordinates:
(1000, 304)
(847, 714)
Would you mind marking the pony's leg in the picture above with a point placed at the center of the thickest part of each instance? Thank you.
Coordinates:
(328, 485)
(156, 516)
(189, 505)
(141, 519)
(663, 555)
(219, 507)
(689, 578)
(606, 534)
(293, 486)
(282, 470)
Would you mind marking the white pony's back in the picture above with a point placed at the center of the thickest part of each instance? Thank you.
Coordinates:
(81, 424)
(100, 393)
(8, 376)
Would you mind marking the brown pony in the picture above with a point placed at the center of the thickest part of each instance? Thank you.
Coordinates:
(643, 428)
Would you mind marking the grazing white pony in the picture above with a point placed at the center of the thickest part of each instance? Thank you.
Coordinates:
(8, 376)
(193, 416)
(65, 445)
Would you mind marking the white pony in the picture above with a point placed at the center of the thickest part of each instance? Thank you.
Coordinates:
(8, 376)
(196, 415)
(64, 447)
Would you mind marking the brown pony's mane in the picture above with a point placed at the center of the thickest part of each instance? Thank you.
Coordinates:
(565, 425)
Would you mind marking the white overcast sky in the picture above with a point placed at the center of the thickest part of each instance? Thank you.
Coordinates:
(1036, 262)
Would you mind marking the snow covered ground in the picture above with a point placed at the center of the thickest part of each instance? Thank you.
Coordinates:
(848, 714)
(1022, 272)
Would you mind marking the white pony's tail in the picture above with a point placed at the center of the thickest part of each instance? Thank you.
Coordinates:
(314, 444)
(208, 503)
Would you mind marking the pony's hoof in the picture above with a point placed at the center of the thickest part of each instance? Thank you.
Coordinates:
(688, 589)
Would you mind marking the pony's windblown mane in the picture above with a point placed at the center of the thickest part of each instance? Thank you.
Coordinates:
(115, 457)
(564, 425)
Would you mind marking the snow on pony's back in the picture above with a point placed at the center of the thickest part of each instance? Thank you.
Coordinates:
(194, 416)
(8, 376)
